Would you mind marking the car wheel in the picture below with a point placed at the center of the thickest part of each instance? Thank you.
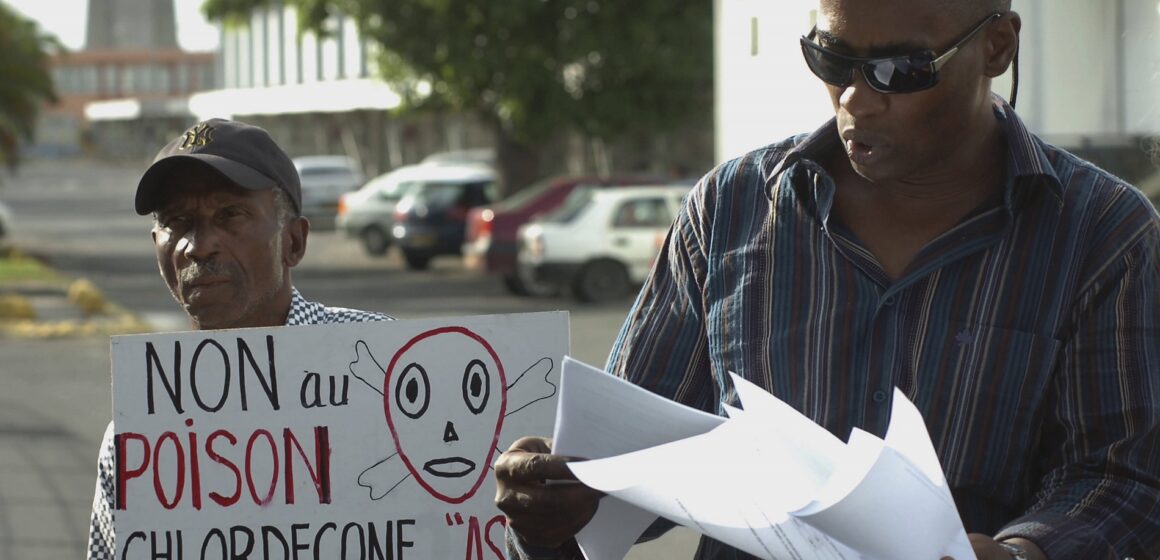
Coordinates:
(416, 260)
(520, 285)
(601, 281)
(375, 241)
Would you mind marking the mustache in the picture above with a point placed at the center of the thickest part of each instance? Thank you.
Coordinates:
(199, 270)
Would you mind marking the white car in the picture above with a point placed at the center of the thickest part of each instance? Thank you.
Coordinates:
(368, 214)
(325, 179)
(600, 242)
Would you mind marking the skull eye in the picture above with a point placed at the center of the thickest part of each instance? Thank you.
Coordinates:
(413, 391)
(476, 386)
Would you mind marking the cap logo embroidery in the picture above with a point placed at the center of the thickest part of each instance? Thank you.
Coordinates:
(200, 135)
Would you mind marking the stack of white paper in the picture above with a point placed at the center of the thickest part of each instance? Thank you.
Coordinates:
(767, 481)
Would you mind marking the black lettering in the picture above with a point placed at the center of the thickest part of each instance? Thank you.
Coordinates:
(128, 541)
(318, 538)
(267, 532)
(174, 388)
(221, 538)
(294, 529)
(167, 553)
(375, 549)
(269, 382)
(362, 539)
(345, 390)
(311, 380)
(400, 544)
(244, 553)
(225, 378)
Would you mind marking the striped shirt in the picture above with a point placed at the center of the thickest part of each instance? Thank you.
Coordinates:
(1028, 334)
(102, 539)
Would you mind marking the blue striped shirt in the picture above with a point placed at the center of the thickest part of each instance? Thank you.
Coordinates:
(1028, 334)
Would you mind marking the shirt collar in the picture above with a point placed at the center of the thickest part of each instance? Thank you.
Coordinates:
(298, 307)
(1028, 166)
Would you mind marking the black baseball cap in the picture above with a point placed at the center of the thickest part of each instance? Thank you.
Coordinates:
(242, 153)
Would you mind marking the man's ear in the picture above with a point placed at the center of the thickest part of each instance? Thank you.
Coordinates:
(296, 230)
(1003, 43)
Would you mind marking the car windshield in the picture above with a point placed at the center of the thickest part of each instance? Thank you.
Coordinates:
(441, 195)
(389, 189)
(572, 207)
(520, 199)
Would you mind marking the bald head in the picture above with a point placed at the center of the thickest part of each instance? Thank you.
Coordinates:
(967, 11)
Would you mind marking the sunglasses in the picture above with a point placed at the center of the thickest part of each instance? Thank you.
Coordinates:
(905, 73)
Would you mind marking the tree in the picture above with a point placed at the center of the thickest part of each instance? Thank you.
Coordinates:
(534, 68)
(25, 81)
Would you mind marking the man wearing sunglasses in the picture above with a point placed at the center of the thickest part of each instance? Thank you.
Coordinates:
(922, 239)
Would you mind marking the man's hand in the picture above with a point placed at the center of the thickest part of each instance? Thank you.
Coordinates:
(986, 548)
(542, 499)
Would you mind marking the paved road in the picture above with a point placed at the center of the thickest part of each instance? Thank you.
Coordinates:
(55, 398)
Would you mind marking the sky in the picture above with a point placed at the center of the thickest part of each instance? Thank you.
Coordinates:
(66, 20)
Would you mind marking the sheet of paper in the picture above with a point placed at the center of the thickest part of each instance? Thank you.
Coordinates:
(768, 480)
(725, 484)
(599, 415)
(899, 480)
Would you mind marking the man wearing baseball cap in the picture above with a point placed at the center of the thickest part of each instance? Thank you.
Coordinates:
(227, 228)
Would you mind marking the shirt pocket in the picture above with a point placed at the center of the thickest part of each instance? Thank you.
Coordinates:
(987, 388)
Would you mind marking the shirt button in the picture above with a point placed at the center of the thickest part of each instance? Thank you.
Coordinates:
(889, 301)
(879, 396)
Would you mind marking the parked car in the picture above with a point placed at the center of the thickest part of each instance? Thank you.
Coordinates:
(368, 214)
(324, 180)
(431, 217)
(600, 242)
(490, 245)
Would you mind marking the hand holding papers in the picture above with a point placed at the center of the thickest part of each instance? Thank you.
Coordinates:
(598, 415)
(767, 481)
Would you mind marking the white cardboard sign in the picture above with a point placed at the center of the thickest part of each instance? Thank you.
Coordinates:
(359, 441)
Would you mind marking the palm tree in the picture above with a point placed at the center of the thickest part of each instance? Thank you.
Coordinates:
(25, 81)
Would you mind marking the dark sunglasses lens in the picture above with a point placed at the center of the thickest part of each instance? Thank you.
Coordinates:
(900, 74)
(831, 69)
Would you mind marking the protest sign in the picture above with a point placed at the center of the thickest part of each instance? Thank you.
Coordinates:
(366, 440)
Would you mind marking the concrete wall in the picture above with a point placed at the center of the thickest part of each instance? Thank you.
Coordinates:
(764, 92)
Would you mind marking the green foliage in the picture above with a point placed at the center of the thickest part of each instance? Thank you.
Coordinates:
(25, 81)
(24, 269)
(535, 67)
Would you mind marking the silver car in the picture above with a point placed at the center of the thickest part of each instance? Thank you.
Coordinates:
(324, 180)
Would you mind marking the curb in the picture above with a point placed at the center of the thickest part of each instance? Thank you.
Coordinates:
(95, 315)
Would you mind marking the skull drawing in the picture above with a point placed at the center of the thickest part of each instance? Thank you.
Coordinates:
(445, 398)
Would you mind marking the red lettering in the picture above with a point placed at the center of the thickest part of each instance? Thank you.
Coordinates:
(473, 537)
(194, 471)
(166, 456)
(124, 474)
(250, 471)
(497, 549)
(157, 487)
(232, 499)
(321, 476)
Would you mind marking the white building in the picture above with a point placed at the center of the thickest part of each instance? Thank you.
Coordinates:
(1089, 72)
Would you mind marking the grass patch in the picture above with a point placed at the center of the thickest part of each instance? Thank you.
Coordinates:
(24, 269)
